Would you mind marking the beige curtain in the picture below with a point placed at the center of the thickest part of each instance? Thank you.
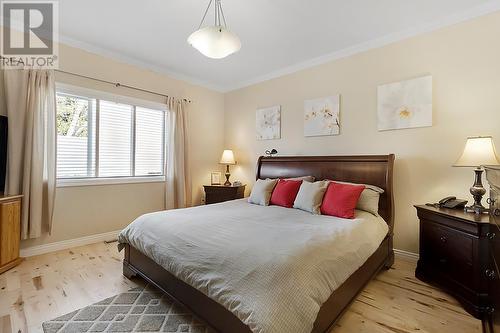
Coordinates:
(31, 161)
(178, 177)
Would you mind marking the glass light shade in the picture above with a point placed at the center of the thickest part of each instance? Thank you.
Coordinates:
(478, 151)
(215, 42)
(227, 157)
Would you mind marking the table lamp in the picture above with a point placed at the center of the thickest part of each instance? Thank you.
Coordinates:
(478, 152)
(227, 159)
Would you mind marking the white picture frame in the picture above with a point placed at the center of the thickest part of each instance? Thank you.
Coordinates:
(268, 123)
(405, 104)
(322, 116)
(215, 178)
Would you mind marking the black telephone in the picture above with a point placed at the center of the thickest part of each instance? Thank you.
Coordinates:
(452, 202)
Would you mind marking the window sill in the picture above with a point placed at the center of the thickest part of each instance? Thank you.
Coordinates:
(79, 182)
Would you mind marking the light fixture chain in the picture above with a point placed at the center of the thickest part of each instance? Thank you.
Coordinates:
(223, 17)
(217, 2)
(205, 15)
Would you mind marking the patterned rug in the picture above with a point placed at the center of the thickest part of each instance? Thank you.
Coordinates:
(141, 309)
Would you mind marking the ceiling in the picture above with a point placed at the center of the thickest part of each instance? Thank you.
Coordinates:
(278, 36)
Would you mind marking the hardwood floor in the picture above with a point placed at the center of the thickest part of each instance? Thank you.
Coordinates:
(50, 285)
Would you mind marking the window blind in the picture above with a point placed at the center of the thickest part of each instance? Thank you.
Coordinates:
(75, 136)
(115, 139)
(105, 139)
(149, 144)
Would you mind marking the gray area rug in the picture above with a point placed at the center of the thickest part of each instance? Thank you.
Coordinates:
(141, 309)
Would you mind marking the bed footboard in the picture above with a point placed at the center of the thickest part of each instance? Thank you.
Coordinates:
(212, 313)
(219, 318)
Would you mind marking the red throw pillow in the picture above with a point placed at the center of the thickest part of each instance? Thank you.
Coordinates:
(340, 200)
(285, 192)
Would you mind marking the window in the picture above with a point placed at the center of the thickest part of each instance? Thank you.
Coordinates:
(107, 138)
(75, 136)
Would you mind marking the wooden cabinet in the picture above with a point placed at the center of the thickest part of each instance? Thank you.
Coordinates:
(495, 258)
(10, 232)
(221, 193)
(457, 254)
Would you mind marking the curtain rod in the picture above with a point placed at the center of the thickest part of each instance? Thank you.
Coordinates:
(117, 84)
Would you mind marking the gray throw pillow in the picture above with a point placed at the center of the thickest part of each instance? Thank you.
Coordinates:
(369, 198)
(309, 179)
(261, 192)
(368, 201)
(310, 196)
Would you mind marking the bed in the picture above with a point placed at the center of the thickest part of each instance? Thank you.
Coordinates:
(248, 268)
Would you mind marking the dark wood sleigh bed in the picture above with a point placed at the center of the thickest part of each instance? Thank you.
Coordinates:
(374, 170)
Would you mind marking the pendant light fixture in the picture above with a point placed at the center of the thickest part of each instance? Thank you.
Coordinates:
(215, 41)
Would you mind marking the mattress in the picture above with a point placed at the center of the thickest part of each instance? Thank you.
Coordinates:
(272, 267)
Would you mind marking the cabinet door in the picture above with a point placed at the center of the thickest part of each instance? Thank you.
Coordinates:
(10, 220)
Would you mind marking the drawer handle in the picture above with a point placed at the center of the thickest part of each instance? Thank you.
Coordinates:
(444, 239)
(490, 274)
(443, 261)
(491, 235)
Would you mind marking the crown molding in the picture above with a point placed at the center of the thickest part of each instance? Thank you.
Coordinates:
(475, 12)
(138, 63)
(478, 11)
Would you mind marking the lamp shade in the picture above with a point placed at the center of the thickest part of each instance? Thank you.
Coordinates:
(478, 151)
(227, 157)
(215, 42)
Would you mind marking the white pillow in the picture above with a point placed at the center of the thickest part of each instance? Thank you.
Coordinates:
(368, 186)
(368, 201)
(369, 198)
(261, 191)
(310, 196)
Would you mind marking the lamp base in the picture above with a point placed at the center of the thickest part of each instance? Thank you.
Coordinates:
(227, 174)
(477, 190)
(476, 209)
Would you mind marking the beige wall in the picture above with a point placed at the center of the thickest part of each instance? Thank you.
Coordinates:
(464, 61)
(83, 211)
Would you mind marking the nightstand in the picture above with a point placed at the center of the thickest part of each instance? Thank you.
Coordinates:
(221, 193)
(456, 254)
(495, 257)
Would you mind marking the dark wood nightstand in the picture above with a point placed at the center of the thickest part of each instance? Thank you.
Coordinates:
(221, 193)
(495, 257)
(456, 254)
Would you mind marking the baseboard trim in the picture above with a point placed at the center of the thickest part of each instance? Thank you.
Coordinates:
(112, 235)
(66, 244)
(406, 255)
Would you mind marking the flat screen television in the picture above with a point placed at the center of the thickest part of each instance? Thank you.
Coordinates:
(3, 152)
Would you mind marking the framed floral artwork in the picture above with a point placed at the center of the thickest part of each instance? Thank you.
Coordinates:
(268, 123)
(405, 104)
(322, 116)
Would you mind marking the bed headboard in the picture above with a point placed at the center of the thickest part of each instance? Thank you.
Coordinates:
(366, 169)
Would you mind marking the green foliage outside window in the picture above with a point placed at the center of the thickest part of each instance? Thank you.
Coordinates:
(72, 116)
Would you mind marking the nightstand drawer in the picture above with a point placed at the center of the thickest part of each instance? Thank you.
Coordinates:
(448, 250)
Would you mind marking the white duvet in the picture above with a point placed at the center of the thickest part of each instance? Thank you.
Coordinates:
(272, 267)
